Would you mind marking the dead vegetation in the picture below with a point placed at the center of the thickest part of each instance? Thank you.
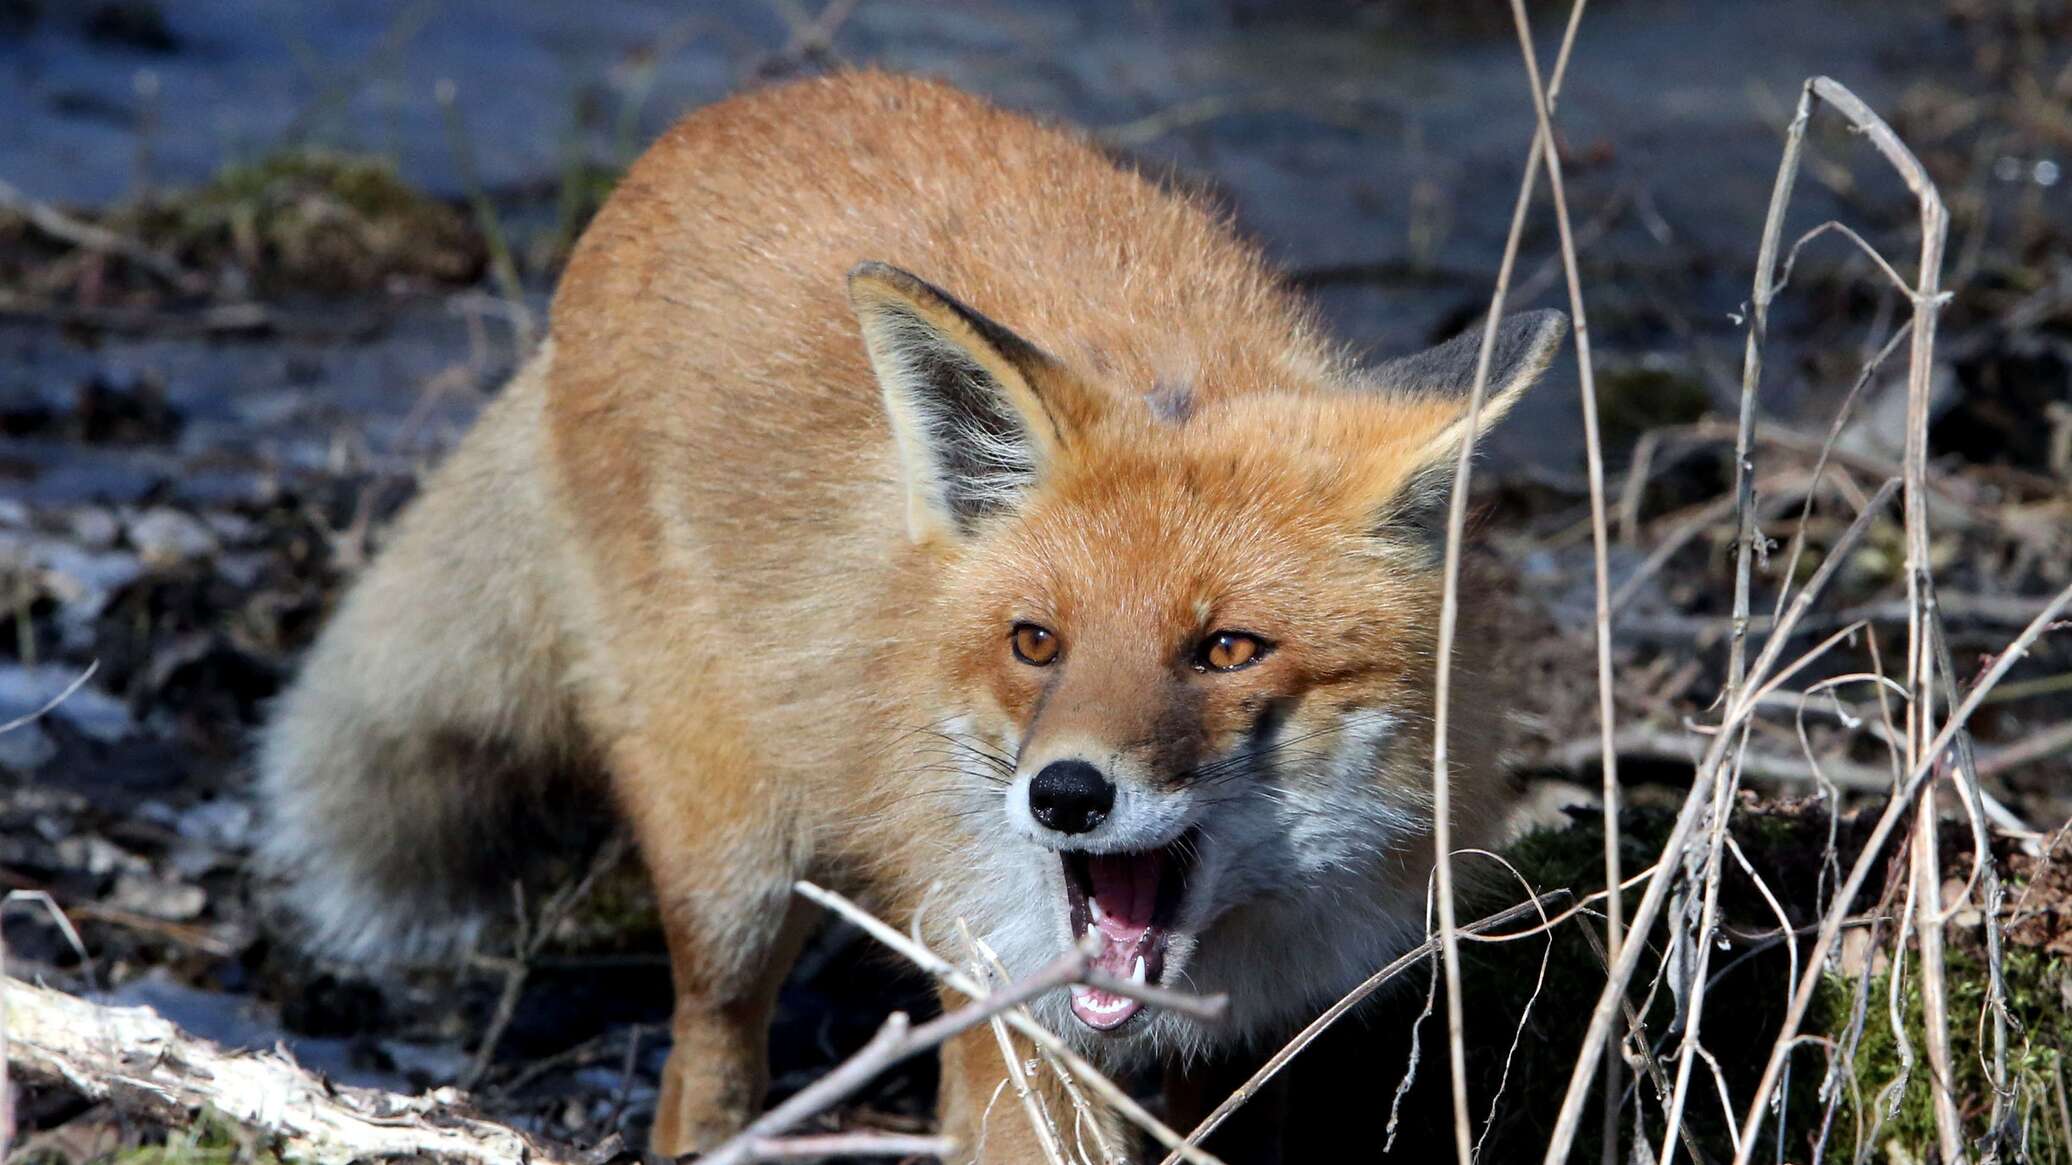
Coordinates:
(1808, 617)
(303, 220)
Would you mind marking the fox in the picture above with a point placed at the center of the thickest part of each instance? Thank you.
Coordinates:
(909, 495)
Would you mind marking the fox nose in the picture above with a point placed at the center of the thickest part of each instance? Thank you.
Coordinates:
(1070, 796)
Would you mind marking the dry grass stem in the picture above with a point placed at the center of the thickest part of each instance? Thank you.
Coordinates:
(1449, 609)
(818, 1146)
(934, 964)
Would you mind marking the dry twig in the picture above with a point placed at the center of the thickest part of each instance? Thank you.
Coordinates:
(1020, 1020)
(146, 1066)
(1449, 605)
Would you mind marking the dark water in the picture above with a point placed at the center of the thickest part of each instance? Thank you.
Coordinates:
(1348, 134)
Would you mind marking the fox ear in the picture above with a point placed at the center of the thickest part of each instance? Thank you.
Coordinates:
(964, 397)
(1440, 381)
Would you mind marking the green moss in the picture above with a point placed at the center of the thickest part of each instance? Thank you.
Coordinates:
(1891, 1109)
(210, 1139)
(312, 219)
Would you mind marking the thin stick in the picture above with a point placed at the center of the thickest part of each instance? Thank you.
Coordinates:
(1043, 1037)
(1084, 1115)
(820, 1145)
(1751, 377)
(532, 938)
(1928, 300)
(1693, 1015)
(97, 239)
(1600, 538)
(1040, 1123)
(897, 1040)
(1983, 870)
(1449, 603)
(78, 682)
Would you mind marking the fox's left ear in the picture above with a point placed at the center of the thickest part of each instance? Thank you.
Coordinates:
(1438, 382)
(972, 404)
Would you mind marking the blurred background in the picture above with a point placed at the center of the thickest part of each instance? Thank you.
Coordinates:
(261, 260)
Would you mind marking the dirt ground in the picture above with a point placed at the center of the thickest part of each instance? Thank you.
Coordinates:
(244, 304)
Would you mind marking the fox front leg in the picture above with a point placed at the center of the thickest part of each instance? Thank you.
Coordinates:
(982, 1109)
(722, 870)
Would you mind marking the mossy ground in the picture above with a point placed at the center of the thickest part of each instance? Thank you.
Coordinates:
(208, 1140)
(1354, 1072)
(312, 220)
(1885, 1108)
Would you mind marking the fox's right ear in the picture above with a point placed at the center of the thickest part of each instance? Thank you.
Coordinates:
(965, 396)
(1419, 486)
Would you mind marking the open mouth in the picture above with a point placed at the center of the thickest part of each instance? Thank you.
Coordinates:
(1127, 901)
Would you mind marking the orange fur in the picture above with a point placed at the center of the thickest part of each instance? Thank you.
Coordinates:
(789, 655)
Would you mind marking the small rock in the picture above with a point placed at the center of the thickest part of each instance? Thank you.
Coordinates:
(98, 856)
(162, 534)
(171, 901)
(26, 748)
(223, 822)
(234, 529)
(94, 527)
(244, 570)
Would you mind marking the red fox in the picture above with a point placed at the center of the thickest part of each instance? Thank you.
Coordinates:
(911, 497)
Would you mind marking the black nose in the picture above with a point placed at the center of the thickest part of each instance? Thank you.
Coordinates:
(1070, 796)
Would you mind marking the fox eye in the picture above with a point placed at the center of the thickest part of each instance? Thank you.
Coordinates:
(1033, 645)
(1230, 651)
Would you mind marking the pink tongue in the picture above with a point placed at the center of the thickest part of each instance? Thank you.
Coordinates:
(1125, 888)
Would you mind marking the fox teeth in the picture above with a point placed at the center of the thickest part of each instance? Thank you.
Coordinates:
(1137, 972)
(1093, 904)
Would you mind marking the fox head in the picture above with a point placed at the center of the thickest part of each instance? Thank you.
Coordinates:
(1185, 636)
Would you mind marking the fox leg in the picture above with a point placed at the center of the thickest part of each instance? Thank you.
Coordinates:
(981, 1110)
(717, 848)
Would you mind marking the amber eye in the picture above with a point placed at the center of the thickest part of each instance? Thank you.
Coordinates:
(1034, 645)
(1229, 651)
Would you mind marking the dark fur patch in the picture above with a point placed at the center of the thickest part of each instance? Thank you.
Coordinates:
(1171, 400)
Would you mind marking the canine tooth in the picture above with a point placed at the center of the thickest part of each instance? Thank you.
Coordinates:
(1137, 972)
(1094, 905)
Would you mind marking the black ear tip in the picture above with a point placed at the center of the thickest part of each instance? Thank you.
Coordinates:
(1543, 324)
(872, 271)
(873, 282)
(1528, 339)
